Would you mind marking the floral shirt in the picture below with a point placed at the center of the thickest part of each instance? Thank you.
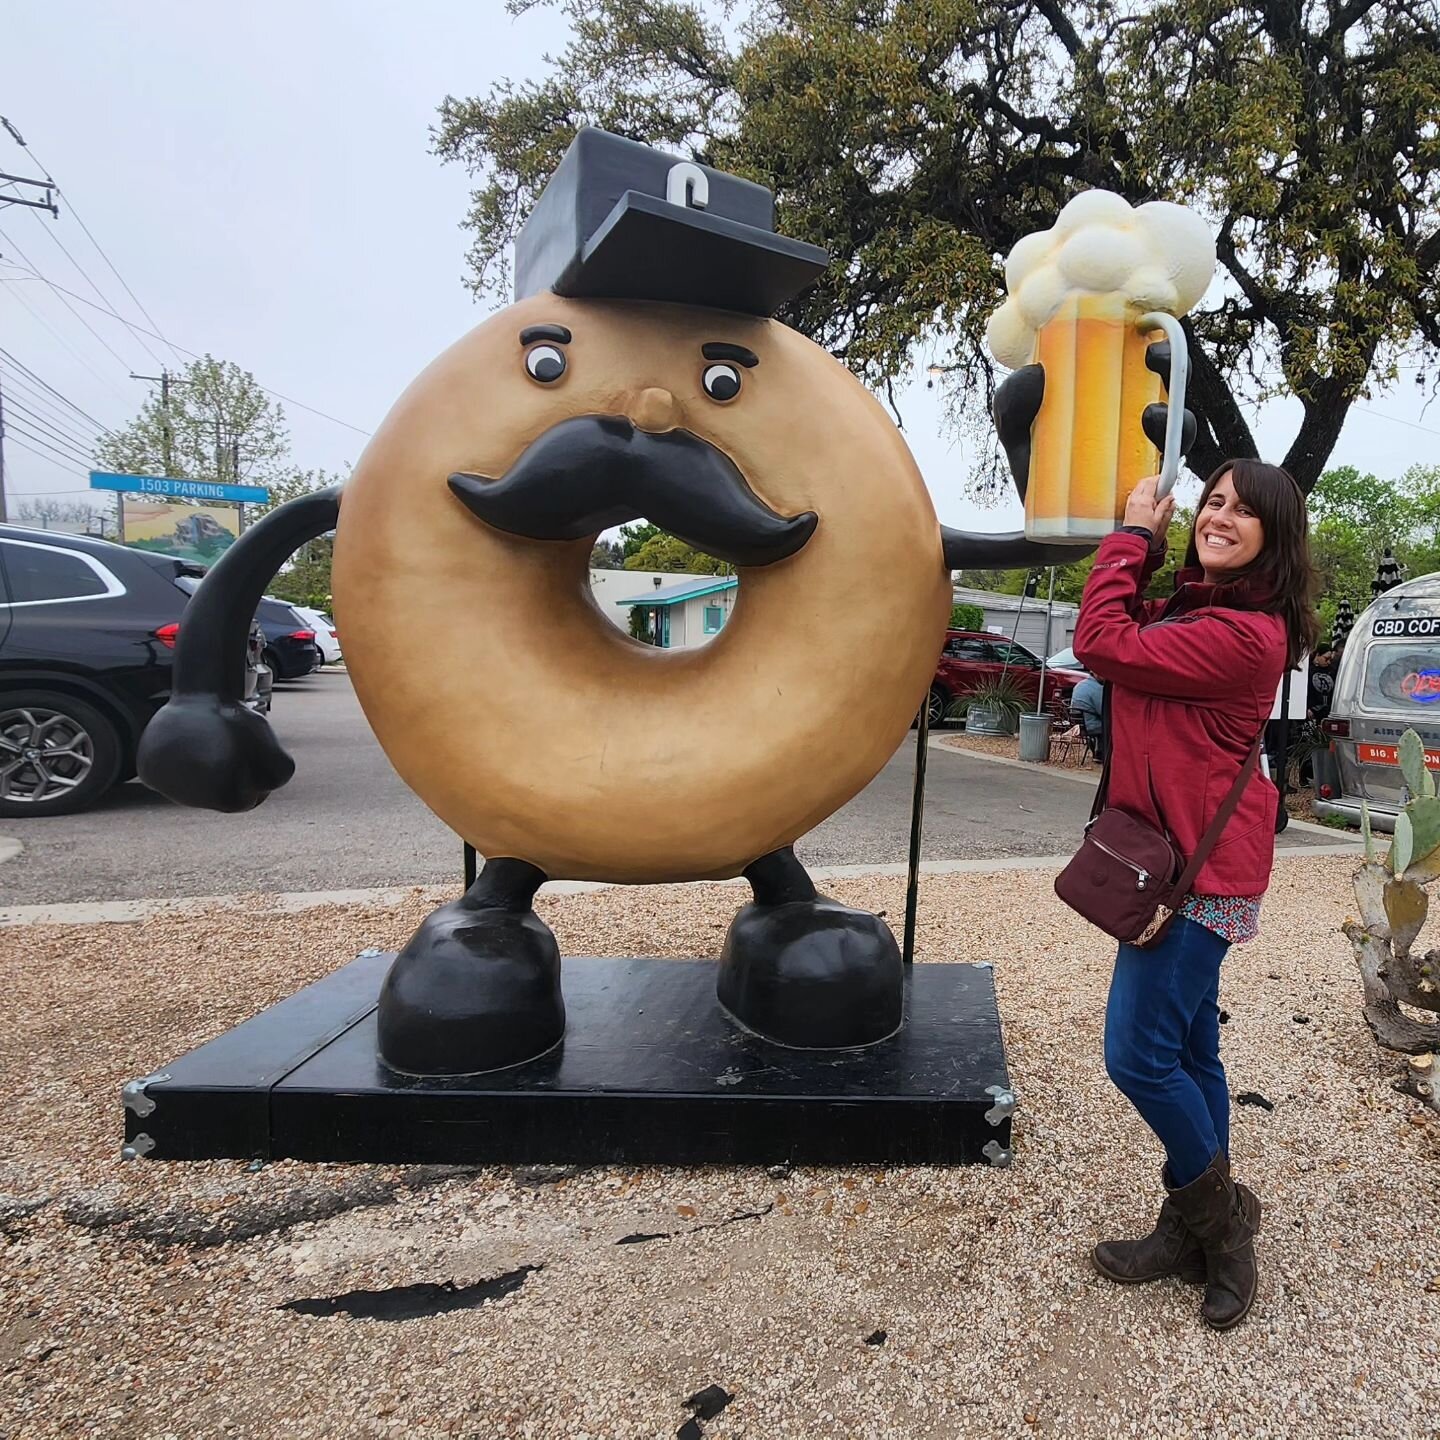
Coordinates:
(1235, 918)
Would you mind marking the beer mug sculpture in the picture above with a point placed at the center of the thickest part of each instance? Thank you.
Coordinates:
(1086, 299)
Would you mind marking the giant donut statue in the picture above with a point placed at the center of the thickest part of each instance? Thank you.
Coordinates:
(585, 752)
(638, 374)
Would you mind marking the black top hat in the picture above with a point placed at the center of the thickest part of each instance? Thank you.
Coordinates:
(619, 220)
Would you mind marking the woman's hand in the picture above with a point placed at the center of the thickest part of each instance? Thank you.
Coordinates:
(1142, 508)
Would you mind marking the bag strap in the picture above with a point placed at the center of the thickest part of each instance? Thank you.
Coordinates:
(1217, 825)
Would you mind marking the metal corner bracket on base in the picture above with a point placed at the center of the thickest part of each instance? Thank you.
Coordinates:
(1004, 1106)
(134, 1098)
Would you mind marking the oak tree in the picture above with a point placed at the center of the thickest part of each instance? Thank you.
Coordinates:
(919, 139)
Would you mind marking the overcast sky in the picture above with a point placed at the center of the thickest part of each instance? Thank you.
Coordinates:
(261, 177)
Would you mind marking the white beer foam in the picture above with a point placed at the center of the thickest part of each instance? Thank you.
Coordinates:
(1158, 256)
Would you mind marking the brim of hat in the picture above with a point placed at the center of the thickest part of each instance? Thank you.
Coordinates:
(651, 249)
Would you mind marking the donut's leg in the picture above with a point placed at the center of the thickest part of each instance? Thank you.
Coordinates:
(804, 971)
(478, 986)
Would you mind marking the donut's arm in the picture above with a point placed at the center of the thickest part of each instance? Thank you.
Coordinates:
(205, 748)
(1008, 550)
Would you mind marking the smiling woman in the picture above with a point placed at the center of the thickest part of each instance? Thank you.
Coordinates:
(1192, 680)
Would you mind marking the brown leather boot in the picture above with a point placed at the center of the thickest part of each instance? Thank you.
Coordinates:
(1215, 1213)
(1169, 1249)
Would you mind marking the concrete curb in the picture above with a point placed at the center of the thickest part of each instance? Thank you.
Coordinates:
(130, 912)
(9, 848)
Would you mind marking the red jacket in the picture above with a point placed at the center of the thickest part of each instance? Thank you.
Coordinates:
(1192, 683)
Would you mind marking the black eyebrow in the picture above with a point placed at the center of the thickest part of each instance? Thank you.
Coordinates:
(722, 350)
(531, 333)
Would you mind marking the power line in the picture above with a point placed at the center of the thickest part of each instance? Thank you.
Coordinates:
(67, 467)
(26, 404)
(24, 369)
(12, 426)
(38, 494)
(33, 396)
(1396, 420)
(51, 437)
(46, 423)
(98, 249)
(64, 249)
(66, 303)
(195, 355)
(43, 396)
(41, 320)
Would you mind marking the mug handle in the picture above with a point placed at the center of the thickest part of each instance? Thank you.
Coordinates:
(1175, 390)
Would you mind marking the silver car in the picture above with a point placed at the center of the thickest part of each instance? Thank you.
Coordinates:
(1388, 681)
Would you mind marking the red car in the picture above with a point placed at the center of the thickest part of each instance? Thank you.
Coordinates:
(971, 659)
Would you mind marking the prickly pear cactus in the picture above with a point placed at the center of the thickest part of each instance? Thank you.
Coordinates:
(1393, 905)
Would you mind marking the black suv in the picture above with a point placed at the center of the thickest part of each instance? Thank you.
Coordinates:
(290, 648)
(87, 636)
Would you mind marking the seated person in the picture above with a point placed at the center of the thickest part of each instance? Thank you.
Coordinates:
(1085, 705)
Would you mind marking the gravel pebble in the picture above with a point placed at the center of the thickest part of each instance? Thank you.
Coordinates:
(994, 1324)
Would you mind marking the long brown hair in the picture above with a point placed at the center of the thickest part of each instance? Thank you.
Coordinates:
(1281, 578)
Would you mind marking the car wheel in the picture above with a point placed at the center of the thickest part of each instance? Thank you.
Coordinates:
(937, 702)
(57, 754)
(1282, 818)
(273, 661)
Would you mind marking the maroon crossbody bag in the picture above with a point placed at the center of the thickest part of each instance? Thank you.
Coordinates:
(1128, 878)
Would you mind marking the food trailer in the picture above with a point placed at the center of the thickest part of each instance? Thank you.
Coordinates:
(1388, 682)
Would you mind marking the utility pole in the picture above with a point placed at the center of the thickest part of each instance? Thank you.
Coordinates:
(2, 458)
(45, 201)
(167, 431)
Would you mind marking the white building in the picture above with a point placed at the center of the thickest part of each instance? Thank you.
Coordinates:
(1022, 620)
(682, 611)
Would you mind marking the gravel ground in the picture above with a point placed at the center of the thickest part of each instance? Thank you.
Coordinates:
(142, 1300)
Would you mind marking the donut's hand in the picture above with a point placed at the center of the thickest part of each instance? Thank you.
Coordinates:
(1017, 403)
(1157, 359)
(212, 754)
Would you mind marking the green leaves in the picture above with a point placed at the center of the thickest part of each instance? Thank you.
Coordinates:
(919, 141)
(219, 425)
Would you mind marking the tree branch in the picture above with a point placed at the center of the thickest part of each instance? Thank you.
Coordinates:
(1060, 23)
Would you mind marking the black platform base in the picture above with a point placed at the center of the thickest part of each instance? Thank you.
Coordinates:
(651, 1071)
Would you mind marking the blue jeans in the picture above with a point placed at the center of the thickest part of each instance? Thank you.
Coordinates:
(1162, 1044)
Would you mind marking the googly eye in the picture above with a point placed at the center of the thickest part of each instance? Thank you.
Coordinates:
(545, 363)
(721, 382)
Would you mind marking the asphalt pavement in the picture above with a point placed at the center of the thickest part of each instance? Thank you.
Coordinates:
(346, 821)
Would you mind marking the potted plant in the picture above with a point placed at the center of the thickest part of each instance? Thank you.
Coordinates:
(994, 707)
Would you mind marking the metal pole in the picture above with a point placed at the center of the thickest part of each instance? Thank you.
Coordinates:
(1284, 738)
(167, 435)
(1045, 656)
(2, 459)
(917, 821)
(470, 869)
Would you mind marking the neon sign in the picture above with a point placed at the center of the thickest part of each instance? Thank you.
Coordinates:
(1422, 686)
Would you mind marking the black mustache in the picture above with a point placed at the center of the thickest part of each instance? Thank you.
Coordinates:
(586, 474)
